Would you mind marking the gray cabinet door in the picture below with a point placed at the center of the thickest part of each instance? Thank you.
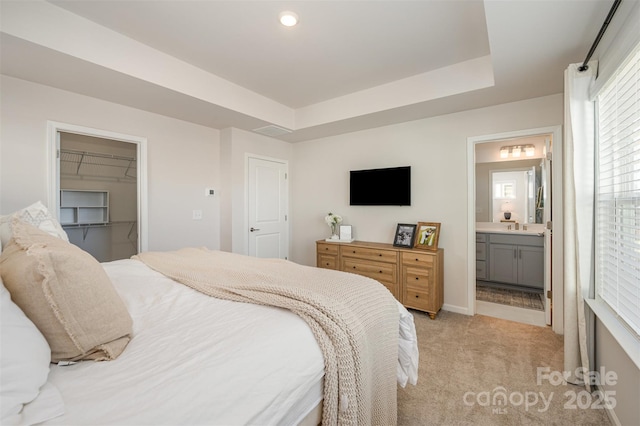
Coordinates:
(503, 263)
(531, 266)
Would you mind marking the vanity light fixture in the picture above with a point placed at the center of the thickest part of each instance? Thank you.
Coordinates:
(288, 19)
(516, 151)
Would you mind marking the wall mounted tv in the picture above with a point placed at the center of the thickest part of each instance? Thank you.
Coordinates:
(381, 187)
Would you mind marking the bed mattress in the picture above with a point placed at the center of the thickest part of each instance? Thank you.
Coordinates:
(195, 360)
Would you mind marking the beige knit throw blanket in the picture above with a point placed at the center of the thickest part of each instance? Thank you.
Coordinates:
(353, 318)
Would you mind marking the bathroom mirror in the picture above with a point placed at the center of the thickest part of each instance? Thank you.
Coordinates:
(513, 186)
(516, 195)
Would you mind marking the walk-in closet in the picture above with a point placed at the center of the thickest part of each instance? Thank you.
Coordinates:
(98, 195)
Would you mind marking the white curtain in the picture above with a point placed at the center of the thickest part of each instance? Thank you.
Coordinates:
(579, 148)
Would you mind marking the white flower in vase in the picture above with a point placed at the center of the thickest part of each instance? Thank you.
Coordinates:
(333, 220)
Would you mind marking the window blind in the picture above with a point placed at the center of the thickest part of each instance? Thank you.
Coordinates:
(617, 224)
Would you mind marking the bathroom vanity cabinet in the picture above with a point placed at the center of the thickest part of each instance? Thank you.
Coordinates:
(482, 241)
(510, 259)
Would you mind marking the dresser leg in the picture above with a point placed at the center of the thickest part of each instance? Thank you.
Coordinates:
(432, 315)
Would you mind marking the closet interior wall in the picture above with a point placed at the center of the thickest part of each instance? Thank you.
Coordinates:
(91, 168)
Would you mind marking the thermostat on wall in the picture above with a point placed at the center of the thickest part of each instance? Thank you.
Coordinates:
(209, 192)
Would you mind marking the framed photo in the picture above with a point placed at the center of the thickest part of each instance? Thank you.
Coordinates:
(405, 234)
(427, 235)
(345, 233)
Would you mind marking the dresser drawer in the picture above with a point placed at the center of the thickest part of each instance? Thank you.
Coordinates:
(417, 259)
(418, 279)
(369, 254)
(327, 248)
(419, 298)
(380, 271)
(327, 261)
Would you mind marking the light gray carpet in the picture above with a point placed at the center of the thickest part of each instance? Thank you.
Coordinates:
(511, 297)
(462, 355)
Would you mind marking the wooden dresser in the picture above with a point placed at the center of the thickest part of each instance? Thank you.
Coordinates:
(414, 277)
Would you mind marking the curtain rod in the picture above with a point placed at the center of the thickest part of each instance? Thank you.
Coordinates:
(612, 12)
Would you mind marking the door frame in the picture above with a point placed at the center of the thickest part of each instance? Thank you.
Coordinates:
(557, 298)
(53, 128)
(247, 234)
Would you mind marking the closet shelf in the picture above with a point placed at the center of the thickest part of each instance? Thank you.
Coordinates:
(97, 225)
(95, 164)
(86, 226)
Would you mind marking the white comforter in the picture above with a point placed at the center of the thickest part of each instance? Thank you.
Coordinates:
(200, 360)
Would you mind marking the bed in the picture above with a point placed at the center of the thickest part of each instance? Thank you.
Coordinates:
(190, 359)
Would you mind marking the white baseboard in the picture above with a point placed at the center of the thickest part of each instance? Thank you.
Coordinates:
(526, 316)
(511, 313)
(610, 411)
(457, 309)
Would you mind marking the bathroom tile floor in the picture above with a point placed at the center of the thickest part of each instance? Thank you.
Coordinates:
(517, 298)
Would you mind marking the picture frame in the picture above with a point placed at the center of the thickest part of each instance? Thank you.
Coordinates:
(427, 235)
(346, 233)
(405, 235)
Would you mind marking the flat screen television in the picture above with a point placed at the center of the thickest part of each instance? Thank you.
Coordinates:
(380, 187)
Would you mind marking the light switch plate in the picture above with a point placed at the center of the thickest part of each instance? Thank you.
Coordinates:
(197, 214)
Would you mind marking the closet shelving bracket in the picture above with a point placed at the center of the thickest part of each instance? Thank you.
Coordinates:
(96, 164)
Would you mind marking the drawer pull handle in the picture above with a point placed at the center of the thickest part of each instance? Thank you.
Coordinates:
(417, 260)
(417, 296)
(417, 278)
(354, 252)
(380, 254)
(354, 267)
(379, 272)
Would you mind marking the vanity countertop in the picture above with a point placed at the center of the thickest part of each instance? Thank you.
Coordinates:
(502, 228)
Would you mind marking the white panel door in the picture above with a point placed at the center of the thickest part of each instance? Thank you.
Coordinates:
(268, 208)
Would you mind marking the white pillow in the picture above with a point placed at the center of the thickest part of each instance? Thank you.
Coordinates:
(37, 215)
(25, 357)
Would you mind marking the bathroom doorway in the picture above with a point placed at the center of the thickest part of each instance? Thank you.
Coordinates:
(510, 227)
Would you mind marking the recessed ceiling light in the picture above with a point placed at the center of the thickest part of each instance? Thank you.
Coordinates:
(288, 19)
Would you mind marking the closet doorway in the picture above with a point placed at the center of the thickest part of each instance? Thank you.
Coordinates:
(98, 190)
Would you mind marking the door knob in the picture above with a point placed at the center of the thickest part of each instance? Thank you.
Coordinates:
(254, 229)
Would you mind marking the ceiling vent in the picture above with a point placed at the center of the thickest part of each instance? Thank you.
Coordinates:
(272, 130)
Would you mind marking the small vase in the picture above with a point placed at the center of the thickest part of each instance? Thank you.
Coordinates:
(334, 234)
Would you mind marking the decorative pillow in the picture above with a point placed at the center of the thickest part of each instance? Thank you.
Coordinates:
(24, 360)
(36, 214)
(67, 295)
